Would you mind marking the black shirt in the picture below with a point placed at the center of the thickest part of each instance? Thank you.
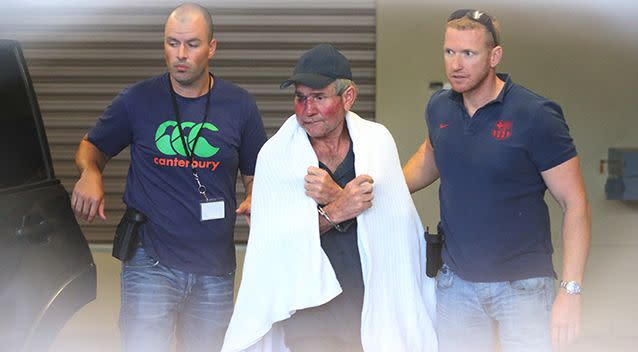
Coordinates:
(336, 325)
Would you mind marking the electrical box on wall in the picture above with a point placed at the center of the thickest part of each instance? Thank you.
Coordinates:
(622, 183)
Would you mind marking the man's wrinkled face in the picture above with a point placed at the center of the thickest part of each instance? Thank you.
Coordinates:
(319, 111)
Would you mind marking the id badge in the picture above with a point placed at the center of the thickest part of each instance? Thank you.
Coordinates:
(212, 209)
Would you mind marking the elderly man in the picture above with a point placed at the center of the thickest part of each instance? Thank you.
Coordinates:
(335, 239)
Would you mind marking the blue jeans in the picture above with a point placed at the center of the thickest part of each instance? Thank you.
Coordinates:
(479, 316)
(159, 302)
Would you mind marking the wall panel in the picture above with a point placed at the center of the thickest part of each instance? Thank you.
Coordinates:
(80, 55)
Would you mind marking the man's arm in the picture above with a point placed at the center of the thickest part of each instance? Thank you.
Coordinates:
(244, 207)
(566, 184)
(87, 199)
(352, 200)
(340, 204)
(421, 171)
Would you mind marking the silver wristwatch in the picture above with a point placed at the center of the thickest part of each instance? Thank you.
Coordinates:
(572, 287)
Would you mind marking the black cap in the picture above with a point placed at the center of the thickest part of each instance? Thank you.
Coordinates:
(319, 67)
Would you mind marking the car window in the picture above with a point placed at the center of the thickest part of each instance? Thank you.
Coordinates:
(21, 153)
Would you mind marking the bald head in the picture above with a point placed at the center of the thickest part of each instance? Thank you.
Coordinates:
(188, 11)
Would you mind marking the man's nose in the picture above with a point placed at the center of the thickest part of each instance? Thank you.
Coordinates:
(457, 62)
(182, 53)
(310, 106)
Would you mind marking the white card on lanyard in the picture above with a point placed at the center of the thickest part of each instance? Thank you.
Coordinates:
(212, 209)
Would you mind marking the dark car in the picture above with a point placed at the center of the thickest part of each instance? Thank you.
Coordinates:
(46, 268)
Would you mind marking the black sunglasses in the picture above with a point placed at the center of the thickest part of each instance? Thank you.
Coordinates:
(476, 16)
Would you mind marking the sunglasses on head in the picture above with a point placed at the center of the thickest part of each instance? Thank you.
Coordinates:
(476, 16)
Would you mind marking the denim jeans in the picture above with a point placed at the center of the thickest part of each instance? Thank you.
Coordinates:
(479, 316)
(159, 302)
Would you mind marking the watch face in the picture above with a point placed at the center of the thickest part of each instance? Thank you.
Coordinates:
(572, 287)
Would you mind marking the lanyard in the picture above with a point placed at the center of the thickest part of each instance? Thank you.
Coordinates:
(190, 153)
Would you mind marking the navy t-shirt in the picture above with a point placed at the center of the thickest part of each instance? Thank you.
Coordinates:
(160, 183)
(492, 194)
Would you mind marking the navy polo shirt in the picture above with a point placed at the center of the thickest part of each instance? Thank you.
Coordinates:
(491, 194)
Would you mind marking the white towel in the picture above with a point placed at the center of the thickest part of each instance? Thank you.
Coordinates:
(285, 268)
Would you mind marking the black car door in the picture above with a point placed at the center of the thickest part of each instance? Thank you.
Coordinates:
(46, 268)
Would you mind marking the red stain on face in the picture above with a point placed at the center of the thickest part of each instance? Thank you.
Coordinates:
(319, 111)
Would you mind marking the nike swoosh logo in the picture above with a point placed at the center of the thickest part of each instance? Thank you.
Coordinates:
(443, 125)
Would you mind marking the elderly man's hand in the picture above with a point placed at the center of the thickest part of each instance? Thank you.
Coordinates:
(354, 199)
(320, 186)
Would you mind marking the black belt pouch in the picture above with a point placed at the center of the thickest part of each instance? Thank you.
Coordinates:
(433, 251)
(126, 234)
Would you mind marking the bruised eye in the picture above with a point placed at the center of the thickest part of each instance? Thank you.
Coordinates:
(300, 98)
(316, 98)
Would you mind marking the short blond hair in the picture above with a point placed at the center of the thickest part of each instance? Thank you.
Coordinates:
(465, 23)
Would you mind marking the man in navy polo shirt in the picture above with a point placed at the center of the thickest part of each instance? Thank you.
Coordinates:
(497, 147)
(189, 133)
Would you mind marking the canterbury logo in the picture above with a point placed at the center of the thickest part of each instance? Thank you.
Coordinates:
(171, 143)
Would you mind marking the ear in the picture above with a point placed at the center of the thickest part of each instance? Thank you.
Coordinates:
(496, 54)
(212, 47)
(349, 97)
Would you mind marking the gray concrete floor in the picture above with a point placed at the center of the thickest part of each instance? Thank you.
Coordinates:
(94, 327)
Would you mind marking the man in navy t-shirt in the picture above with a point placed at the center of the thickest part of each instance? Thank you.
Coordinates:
(497, 147)
(189, 133)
